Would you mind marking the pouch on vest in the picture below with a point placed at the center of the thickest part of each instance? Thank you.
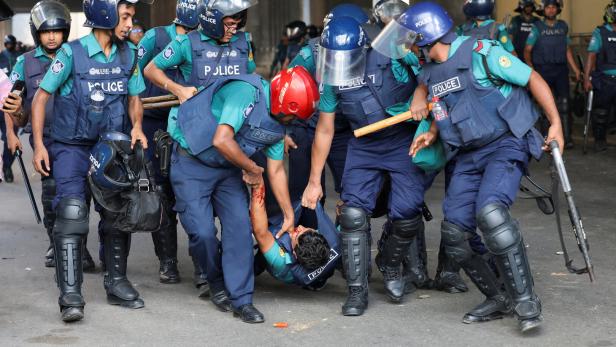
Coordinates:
(431, 158)
(326, 228)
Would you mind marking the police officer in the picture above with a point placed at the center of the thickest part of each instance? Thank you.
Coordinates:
(601, 65)
(214, 151)
(480, 24)
(367, 89)
(154, 42)
(8, 57)
(521, 25)
(98, 70)
(296, 33)
(50, 23)
(548, 51)
(486, 120)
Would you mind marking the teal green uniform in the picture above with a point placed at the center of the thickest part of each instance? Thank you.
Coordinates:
(147, 44)
(229, 106)
(329, 99)
(18, 70)
(278, 259)
(502, 35)
(63, 79)
(182, 57)
(502, 64)
(305, 59)
(596, 43)
(534, 36)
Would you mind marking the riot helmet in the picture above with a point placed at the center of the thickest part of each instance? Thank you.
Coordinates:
(478, 9)
(296, 30)
(49, 15)
(103, 14)
(387, 10)
(186, 13)
(347, 10)
(213, 12)
(293, 92)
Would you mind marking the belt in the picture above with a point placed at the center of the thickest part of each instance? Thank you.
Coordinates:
(183, 152)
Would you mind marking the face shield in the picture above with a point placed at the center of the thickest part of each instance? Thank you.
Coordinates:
(341, 67)
(388, 10)
(231, 7)
(395, 40)
(53, 15)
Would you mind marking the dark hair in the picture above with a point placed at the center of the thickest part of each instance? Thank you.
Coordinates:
(312, 250)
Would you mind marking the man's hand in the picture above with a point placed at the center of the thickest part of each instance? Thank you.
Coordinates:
(287, 226)
(40, 160)
(253, 178)
(289, 144)
(12, 104)
(419, 109)
(185, 93)
(13, 142)
(422, 141)
(555, 133)
(312, 194)
(137, 135)
(587, 85)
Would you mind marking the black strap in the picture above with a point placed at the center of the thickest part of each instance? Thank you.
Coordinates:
(495, 80)
(493, 30)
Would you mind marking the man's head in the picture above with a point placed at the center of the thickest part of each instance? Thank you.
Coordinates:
(126, 13)
(479, 10)
(50, 24)
(114, 15)
(551, 8)
(221, 19)
(310, 248)
(293, 95)
(10, 42)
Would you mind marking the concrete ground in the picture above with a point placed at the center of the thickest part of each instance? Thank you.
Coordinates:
(577, 313)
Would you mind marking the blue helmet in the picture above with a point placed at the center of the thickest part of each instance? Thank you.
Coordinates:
(347, 10)
(523, 3)
(186, 13)
(478, 9)
(212, 13)
(114, 165)
(387, 10)
(103, 14)
(423, 24)
(49, 15)
(545, 3)
(342, 52)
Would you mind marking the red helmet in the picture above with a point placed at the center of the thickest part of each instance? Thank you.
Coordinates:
(294, 92)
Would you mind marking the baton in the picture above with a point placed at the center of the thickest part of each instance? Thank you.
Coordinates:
(37, 214)
(155, 99)
(574, 215)
(162, 104)
(591, 95)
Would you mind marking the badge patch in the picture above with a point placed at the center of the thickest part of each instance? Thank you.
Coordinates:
(141, 52)
(248, 110)
(57, 67)
(504, 39)
(168, 53)
(504, 61)
(282, 252)
(445, 87)
(15, 76)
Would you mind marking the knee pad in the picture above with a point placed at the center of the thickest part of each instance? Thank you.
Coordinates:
(48, 194)
(500, 230)
(600, 116)
(353, 219)
(455, 241)
(407, 228)
(72, 218)
(562, 104)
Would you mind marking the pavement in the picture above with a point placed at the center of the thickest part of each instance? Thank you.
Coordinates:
(577, 312)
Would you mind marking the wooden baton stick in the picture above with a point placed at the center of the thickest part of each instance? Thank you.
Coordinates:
(155, 105)
(385, 123)
(157, 99)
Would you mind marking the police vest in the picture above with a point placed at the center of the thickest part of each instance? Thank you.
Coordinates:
(522, 30)
(34, 71)
(174, 73)
(477, 115)
(198, 124)
(7, 61)
(212, 62)
(484, 32)
(366, 101)
(551, 45)
(293, 50)
(325, 227)
(73, 121)
(606, 59)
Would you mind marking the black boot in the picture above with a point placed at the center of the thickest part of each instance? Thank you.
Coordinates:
(69, 276)
(88, 263)
(394, 249)
(355, 234)
(600, 119)
(48, 193)
(456, 246)
(119, 289)
(50, 260)
(448, 277)
(504, 240)
(415, 265)
(166, 248)
(8, 174)
(566, 119)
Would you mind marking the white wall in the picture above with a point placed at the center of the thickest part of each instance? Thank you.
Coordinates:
(21, 27)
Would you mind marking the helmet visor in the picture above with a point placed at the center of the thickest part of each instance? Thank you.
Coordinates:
(610, 13)
(395, 40)
(341, 67)
(388, 10)
(231, 7)
(52, 12)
